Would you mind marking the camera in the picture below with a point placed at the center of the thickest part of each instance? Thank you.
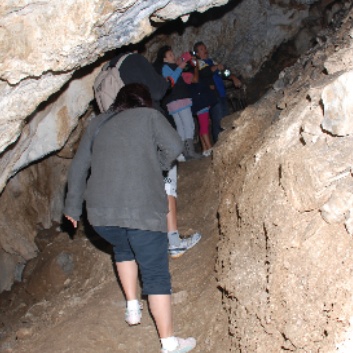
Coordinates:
(191, 61)
(225, 73)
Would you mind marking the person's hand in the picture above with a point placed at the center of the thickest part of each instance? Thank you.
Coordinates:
(73, 221)
(182, 64)
(236, 81)
(220, 67)
(170, 80)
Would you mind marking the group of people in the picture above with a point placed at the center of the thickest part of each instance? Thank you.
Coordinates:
(125, 169)
(198, 90)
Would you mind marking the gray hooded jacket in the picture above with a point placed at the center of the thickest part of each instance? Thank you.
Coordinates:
(125, 185)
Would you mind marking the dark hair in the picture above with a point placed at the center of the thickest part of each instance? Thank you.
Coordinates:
(159, 62)
(197, 45)
(132, 95)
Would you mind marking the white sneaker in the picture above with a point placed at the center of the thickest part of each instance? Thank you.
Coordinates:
(207, 153)
(185, 245)
(184, 345)
(181, 158)
(133, 317)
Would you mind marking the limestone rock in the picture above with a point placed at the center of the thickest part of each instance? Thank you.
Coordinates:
(340, 204)
(341, 61)
(286, 251)
(51, 275)
(338, 106)
(24, 332)
(8, 265)
(50, 128)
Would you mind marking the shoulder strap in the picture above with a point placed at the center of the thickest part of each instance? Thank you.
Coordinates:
(103, 122)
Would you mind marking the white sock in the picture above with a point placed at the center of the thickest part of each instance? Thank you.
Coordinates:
(174, 238)
(133, 304)
(169, 343)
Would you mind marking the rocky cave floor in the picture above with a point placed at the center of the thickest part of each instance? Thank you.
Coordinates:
(79, 306)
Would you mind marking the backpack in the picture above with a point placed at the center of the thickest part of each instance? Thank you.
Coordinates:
(108, 83)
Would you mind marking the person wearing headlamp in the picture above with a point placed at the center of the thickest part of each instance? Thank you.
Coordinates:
(214, 74)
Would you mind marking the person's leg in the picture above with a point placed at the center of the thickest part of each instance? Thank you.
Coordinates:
(171, 191)
(206, 142)
(173, 233)
(225, 108)
(124, 258)
(203, 145)
(177, 246)
(128, 272)
(188, 123)
(126, 267)
(172, 215)
(204, 130)
(181, 131)
(150, 249)
(216, 113)
(179, 125)
(170, 186)
(161, 309)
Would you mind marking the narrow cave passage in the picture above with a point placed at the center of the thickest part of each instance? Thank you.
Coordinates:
(69, 298)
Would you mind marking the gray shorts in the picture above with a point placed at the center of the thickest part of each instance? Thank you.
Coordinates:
(148, 248)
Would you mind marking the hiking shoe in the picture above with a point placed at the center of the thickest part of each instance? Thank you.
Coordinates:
(181, 158)
(207, 153)
(184, 246)
(184, 345)
(133, 317)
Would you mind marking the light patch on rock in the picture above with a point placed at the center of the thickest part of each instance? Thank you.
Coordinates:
(337, 99)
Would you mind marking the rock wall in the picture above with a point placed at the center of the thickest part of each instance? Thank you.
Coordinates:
(32, 201)
(286, 252)
(242, 35)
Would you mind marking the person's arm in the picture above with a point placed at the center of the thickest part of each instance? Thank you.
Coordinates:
(196, 75)
(77, 176)
(236, 82)
(167, 139)
(217, 67)
(169, 72)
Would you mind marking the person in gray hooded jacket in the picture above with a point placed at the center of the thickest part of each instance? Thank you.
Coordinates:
(123, 154)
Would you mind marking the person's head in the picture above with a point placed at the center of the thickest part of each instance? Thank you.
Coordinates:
(161, 54)
(201, 51)
(165, 54)
(133, 95)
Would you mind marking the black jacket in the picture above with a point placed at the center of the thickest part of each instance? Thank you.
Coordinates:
(180, 89)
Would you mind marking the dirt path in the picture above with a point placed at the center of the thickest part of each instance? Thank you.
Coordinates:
(84, 312)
